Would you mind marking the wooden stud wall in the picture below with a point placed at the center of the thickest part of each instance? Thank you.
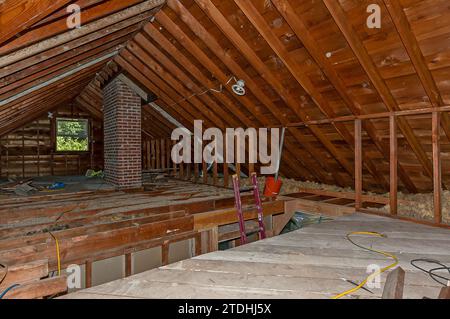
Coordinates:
(30, 150)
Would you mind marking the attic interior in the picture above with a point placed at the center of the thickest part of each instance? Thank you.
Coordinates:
(93, 204)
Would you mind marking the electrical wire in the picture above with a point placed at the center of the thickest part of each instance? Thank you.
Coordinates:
(58, 255)
(220, 90)
(6, 272)
(8, 290)
(377, 273)
(432, 271)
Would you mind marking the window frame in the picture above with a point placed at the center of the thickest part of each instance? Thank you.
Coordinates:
(55, 132)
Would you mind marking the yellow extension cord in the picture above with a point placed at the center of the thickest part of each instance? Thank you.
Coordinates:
(372, 250)
(58, 255)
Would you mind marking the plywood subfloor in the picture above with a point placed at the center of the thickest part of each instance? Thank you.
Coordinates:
(309, 263)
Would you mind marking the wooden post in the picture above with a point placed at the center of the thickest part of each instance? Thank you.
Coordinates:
(128, 265)
(149, 155)
(38, 149)
(88, 274)
(445, 293)
(181, 172)
(393, 164)
(358, 165)
(175, 166)
(437, 174)
(205, 172)
(169, 153)
(165, 254)
(158, 154)
(226, 176)
(163, 154)
(188, 172)
(238, 169)
(395, 282)
(251, 168)
(198, 244)
(215, 173)
(1, 163)
(23, 152)
(213, 239)
(52, 163)
(153, 154)
(196, 173)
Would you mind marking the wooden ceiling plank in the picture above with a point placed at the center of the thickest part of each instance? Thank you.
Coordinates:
(166, 124)
(60, 26)
(195, 72)
(141, 11)
(201, 109)
(157, 55)
(54, 87)
(172, 87)
(159, 89)
(176, 32)
(155, 124)
(56, 51)
(302, 32)
(18, 15)
(51, 73)
(295, 69)
(368, 65)
(63, 12)
(91, 108)
(157, 69)
(239, 72)
(139, 72)
(412, 46)
(190, 46)
(58, 77)
(23, 77)
(40, 103)
(437, 167)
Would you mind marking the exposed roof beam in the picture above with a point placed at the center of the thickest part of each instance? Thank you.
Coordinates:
(302, 32)
(60, 26)
(246, 101)
(296, 70)
(365, 60)
(411, 44)
(18, 15)
(262, 69)
(77, 33)
(58, 78)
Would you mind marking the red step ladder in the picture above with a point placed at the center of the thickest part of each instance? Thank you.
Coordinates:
(238, 204)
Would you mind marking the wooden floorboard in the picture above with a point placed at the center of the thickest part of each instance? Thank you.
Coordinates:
(308, 263)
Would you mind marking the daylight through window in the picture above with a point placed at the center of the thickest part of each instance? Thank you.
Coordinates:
(72, 135)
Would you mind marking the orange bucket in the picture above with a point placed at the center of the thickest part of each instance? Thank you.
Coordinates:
(273, 187)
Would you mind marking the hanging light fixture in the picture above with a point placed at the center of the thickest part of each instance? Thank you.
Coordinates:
(239, 88)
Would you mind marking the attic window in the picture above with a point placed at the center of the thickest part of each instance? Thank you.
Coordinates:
(72, 135)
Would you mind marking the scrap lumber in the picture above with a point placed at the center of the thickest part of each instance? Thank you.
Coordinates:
(39, 289)
(395, 281)
(22, 273)
(445, 293)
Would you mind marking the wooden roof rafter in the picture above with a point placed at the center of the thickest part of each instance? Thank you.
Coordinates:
(304, 35)
(48, 50)
(413, 48)
(92, 18)
(253, 87)
(363, 56)
(31, 11)
(167, 96)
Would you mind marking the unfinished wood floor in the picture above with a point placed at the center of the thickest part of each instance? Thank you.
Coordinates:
(308, 263)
